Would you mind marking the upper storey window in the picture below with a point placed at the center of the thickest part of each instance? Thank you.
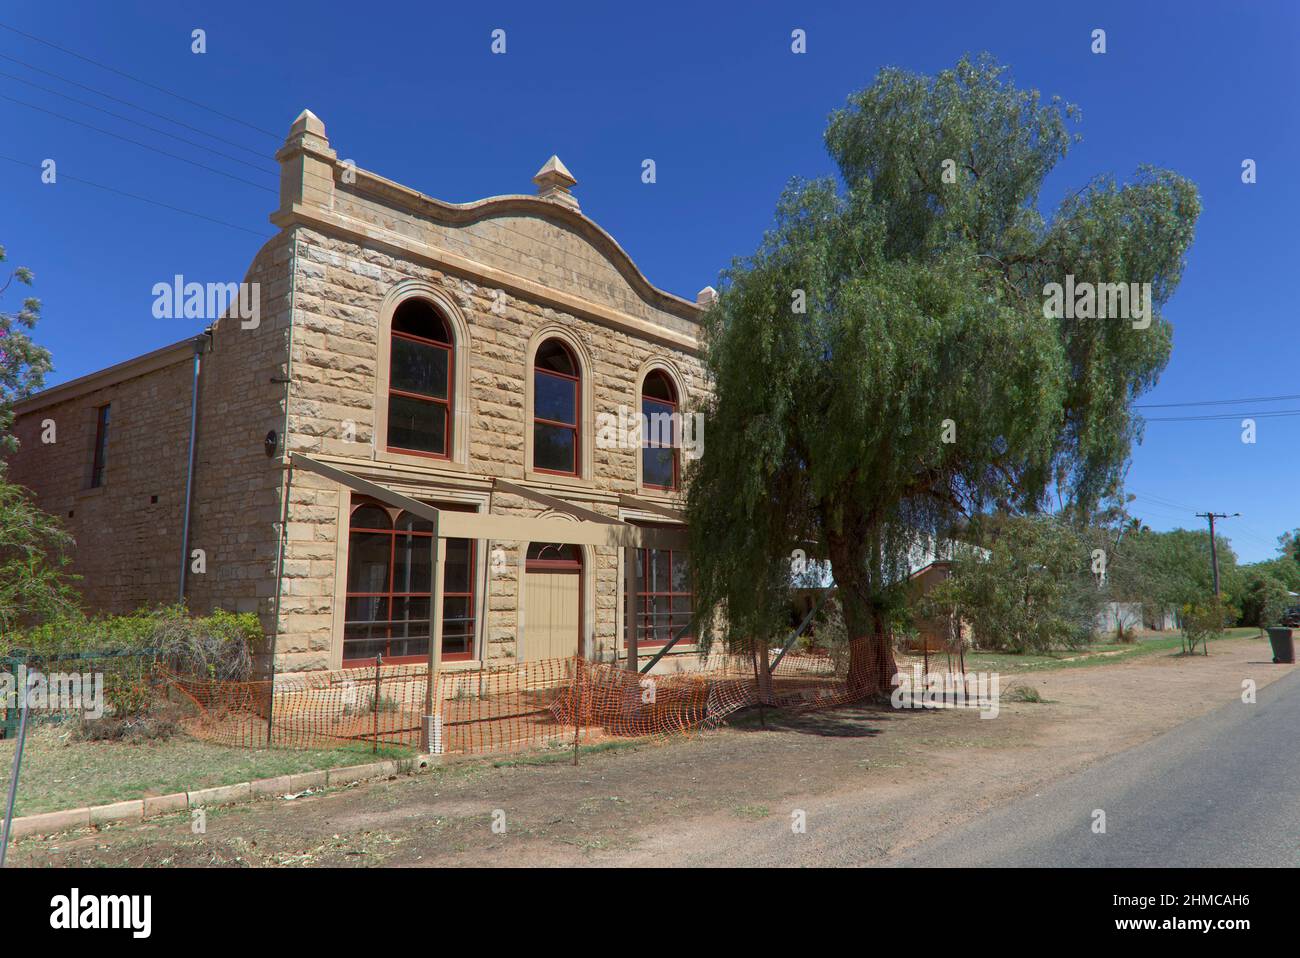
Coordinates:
(99, 461)
(556, 413)
(420, 381)
(659, 462)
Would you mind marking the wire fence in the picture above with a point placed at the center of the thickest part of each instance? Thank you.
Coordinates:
(68, 685)
(531, 705)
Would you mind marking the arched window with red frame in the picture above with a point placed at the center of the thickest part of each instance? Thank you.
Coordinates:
(390, 589)
(660, 466)
(557, 409)
(420, 386)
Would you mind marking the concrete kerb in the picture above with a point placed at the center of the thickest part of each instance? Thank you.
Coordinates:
(281, 785)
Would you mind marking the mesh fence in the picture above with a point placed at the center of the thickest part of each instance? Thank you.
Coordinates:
(66, 685)
(530, 705)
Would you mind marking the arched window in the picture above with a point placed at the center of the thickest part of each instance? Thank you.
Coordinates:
(420, 372)
(556, 409)
(554, 554)
(390, 589)
(659, 439)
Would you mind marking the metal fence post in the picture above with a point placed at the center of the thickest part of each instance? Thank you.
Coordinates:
(13, 777)
(379, 661)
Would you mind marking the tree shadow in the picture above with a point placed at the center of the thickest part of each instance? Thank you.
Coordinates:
(861, 720)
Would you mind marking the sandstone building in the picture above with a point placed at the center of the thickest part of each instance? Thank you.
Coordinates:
(408, 353)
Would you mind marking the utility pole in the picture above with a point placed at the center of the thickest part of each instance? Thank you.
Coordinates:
(1214, 550)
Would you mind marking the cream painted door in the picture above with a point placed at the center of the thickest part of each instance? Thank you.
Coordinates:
(552, 603)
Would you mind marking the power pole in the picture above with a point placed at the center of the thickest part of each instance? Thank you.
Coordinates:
(1214, 550)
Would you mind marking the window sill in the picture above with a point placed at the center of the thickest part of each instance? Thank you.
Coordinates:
(666, 497)
(573, 482)
(432, 463)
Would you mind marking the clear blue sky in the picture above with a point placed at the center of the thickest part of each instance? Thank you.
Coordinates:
(713, 94)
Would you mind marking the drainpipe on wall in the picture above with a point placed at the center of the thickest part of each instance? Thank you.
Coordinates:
(200, 343)
(285, 483)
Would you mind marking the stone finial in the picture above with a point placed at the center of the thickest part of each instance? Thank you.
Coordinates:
(307, 122)
(706, 297)
(306, 166)
(553, 181)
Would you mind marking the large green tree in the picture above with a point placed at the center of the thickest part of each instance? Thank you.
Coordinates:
(33, 545)
(883, 366)
(1032, 590)
(23, 364)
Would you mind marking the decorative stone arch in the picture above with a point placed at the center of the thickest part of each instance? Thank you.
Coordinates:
(459, 329)
(588, 579)
(678, 381)
(586, 399)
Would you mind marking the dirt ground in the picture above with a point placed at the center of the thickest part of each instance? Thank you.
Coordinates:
(871, 782)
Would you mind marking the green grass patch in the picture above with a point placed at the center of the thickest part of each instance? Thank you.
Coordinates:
(59, 772)
(1102, 653)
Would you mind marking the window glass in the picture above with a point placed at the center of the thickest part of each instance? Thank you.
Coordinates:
(417, 424)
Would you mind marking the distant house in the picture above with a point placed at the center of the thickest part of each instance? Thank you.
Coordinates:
(929, 562)
(1124, 616)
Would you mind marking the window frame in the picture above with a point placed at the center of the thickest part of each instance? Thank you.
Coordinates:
(645, 600)
(394, 514)
(576, 426)
(99, 453)
(674, 405)
(448, 403)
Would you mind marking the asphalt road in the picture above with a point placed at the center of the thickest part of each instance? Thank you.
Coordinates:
(1221, 790)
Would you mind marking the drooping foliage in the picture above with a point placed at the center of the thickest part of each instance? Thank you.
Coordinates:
(882, 364)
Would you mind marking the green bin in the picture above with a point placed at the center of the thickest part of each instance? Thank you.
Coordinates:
(1283, 645)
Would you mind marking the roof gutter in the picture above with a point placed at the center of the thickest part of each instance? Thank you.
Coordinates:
(200, 343)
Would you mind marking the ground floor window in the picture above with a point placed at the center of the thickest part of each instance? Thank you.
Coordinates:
(390, 589)
(663, 595)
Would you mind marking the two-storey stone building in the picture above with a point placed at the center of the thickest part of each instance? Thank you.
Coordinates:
(417, 421)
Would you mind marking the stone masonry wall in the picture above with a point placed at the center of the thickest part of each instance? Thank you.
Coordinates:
(336, 348)
(237, 485)
(127, 530)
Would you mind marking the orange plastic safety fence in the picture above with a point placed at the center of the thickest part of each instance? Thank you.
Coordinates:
(551, 703)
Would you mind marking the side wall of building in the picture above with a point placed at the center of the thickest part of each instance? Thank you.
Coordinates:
(237, 481)
(128, 529)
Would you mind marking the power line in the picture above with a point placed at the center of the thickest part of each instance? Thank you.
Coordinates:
(151, 129)
(152, 86)
(144, 199)
(134, 106)
(127, 139)
(1263, 414)
(1215, 402)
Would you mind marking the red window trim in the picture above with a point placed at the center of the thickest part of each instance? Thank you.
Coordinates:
(645, 439)
(393, 532)
(574, 426)
(447, 403)
(645, 601)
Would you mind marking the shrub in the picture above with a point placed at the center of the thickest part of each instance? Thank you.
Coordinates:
(214, 646)
(217, 646)
(1204, 620)
(1023, 693)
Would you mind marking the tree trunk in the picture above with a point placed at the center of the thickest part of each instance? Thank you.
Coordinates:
(871, 654)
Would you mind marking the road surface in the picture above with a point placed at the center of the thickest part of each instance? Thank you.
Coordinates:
(1221, 790)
